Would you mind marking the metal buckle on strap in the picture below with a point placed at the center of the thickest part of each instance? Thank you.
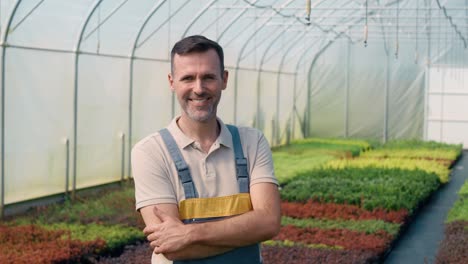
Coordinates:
(241, 168)
(184, 175)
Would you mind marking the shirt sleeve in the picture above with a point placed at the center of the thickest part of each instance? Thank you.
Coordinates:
(260, 159)
(151, 176)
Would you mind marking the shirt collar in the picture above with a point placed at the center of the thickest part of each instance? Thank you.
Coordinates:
(183, 141)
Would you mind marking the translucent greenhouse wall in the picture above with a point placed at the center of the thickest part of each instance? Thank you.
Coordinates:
(366, 92)
(85, 80)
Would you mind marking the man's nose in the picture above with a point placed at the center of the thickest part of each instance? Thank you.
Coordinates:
(198, 87)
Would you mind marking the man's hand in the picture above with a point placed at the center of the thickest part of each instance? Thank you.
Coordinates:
(168, 236)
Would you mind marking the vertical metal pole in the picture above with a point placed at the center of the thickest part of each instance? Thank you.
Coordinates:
(173, 98)
(235, 98)
(346, 117)
(273, 134)
(122, 161)
(427, 85)
(309, 94)
(75, 94)
(293, 110)
(130, 96)
(442, 95)
(387, 86)
(4, 38)
(67, 165)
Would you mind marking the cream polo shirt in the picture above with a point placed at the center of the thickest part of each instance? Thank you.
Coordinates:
(213, 173)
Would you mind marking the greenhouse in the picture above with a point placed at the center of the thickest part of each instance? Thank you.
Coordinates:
(83, 81)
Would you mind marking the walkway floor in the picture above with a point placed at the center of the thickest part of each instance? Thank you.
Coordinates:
(420, 242)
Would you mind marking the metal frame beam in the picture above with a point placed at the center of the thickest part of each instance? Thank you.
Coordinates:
(76, 82)
(4, 44)
(132, 58)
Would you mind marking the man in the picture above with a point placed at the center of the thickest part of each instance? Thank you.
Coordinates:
(206, 191)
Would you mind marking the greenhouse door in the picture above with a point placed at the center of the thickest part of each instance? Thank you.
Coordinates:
(447, 105)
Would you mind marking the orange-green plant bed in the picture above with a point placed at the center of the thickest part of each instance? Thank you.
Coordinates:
(33, 244)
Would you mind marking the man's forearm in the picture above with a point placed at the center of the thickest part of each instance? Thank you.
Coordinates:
(237, 231)
(260, 224)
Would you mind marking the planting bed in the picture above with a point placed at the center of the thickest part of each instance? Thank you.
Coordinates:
(454, 247)
(334, 211)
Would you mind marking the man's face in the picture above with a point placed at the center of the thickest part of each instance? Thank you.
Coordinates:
(198, 82)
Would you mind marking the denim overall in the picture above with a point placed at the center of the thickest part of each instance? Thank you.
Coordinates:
(196, 210)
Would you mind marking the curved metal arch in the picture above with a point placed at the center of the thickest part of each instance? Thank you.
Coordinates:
(231, 23)
(235, 36)
(295, 96)
(293, 41)
(218, 16)
(4, 39)
(259, 43)
(260, 68)
(75, 94)
(240, 56)
(197, 16)
(27, 15)
(162, 24)
(132, 58)
(105, 19)
(278, 76)
(316, 57)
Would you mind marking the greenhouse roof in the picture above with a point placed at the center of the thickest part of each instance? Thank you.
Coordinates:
(254, 33)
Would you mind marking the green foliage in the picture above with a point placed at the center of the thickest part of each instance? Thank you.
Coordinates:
(367, 226)
(330, 145)
(110, 207)
(115, 235)
(416, 149)
(443, 154)
(459, 211)
(287, 166)
(289, 243)
(414, 143)
(107, 215)
(407, 164)
(307, 154)
(361, 144)
(464, 189)
(370, 188)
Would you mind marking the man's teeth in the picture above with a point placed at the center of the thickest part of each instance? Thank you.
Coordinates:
(199, 100)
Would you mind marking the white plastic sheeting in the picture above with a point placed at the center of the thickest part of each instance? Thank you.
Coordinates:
(83, 81)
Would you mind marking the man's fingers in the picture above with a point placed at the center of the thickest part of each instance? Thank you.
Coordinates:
(148, 230)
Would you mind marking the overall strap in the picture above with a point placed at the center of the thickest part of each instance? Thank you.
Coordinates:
(241, 162)
(181, 165)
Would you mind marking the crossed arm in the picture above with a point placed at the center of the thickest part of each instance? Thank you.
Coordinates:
(169, 236)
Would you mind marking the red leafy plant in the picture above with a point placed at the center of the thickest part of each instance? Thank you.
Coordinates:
(313, 209)
(33, 244)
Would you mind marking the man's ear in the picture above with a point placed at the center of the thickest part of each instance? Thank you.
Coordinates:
(225, 78)
(171, 81)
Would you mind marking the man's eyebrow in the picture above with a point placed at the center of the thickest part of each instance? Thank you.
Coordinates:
(185, 76)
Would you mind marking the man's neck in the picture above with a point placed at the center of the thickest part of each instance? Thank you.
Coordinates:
(204, 133)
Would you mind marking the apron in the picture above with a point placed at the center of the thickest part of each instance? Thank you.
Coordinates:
(197, 210)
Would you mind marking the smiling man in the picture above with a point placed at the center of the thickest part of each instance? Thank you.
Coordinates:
(206, 190)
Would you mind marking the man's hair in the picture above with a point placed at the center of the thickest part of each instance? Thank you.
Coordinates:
(197, 43)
